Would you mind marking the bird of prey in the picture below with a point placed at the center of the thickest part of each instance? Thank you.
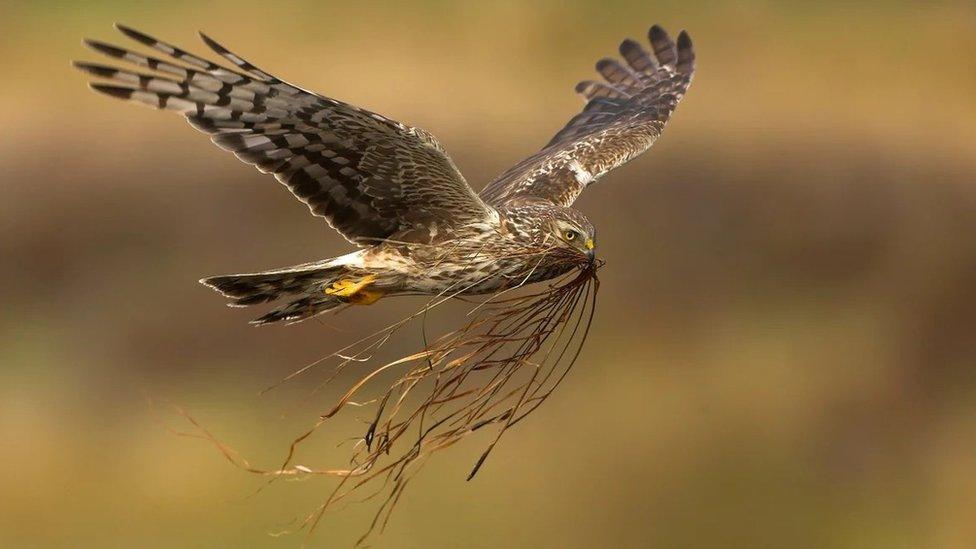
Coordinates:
(391, 188)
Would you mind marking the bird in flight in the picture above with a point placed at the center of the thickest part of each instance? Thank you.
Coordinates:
(390, 188)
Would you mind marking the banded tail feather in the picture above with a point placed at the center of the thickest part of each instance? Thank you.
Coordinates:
(307, 282)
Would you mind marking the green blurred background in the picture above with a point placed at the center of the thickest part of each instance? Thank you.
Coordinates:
(785, 345)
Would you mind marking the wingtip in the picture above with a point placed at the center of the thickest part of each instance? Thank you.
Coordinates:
(657, 33)
(207, 40)
(119, 92)
(628, 44)
(132, 33)
(124, 29)
(686, 53)
(213, 44)
(102, 47)
(94, 69)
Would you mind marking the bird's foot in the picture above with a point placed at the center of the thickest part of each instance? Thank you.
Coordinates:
(355, 291)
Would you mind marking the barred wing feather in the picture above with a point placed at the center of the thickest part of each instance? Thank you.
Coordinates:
(622, 118)
(370, 177)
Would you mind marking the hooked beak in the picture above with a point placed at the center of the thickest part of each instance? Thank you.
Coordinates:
(590, 250)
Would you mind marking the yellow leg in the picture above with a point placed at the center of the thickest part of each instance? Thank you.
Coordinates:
(354, 291)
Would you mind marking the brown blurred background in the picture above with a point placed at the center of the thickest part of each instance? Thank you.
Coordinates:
(784, 350)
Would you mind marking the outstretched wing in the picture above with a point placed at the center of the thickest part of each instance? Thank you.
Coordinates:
(623, 117)
(370, 177)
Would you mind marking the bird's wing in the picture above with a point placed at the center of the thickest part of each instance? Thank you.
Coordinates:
(623, 117)
(370, 177)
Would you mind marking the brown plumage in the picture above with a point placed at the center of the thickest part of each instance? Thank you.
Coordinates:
(391, 188)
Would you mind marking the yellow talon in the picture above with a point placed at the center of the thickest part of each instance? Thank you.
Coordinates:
(354, 291)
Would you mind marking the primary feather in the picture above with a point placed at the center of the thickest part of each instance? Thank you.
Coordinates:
(622, 118)
(391, 188)
(372, 178)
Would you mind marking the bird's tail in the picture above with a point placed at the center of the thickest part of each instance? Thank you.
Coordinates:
(309, 285)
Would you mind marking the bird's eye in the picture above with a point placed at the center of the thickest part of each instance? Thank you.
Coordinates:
(570, 235)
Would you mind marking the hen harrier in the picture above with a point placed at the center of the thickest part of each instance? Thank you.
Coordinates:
(392, 189)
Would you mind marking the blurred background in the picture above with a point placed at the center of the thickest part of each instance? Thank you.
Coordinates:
(784, 350)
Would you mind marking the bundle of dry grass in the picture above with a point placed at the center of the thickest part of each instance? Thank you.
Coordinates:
(494, 371)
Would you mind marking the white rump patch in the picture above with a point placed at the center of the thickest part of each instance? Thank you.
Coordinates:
(354, 259)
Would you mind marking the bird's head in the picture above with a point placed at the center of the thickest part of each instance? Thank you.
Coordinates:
(573, 231)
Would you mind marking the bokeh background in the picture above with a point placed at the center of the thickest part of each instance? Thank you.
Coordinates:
(785, 349)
